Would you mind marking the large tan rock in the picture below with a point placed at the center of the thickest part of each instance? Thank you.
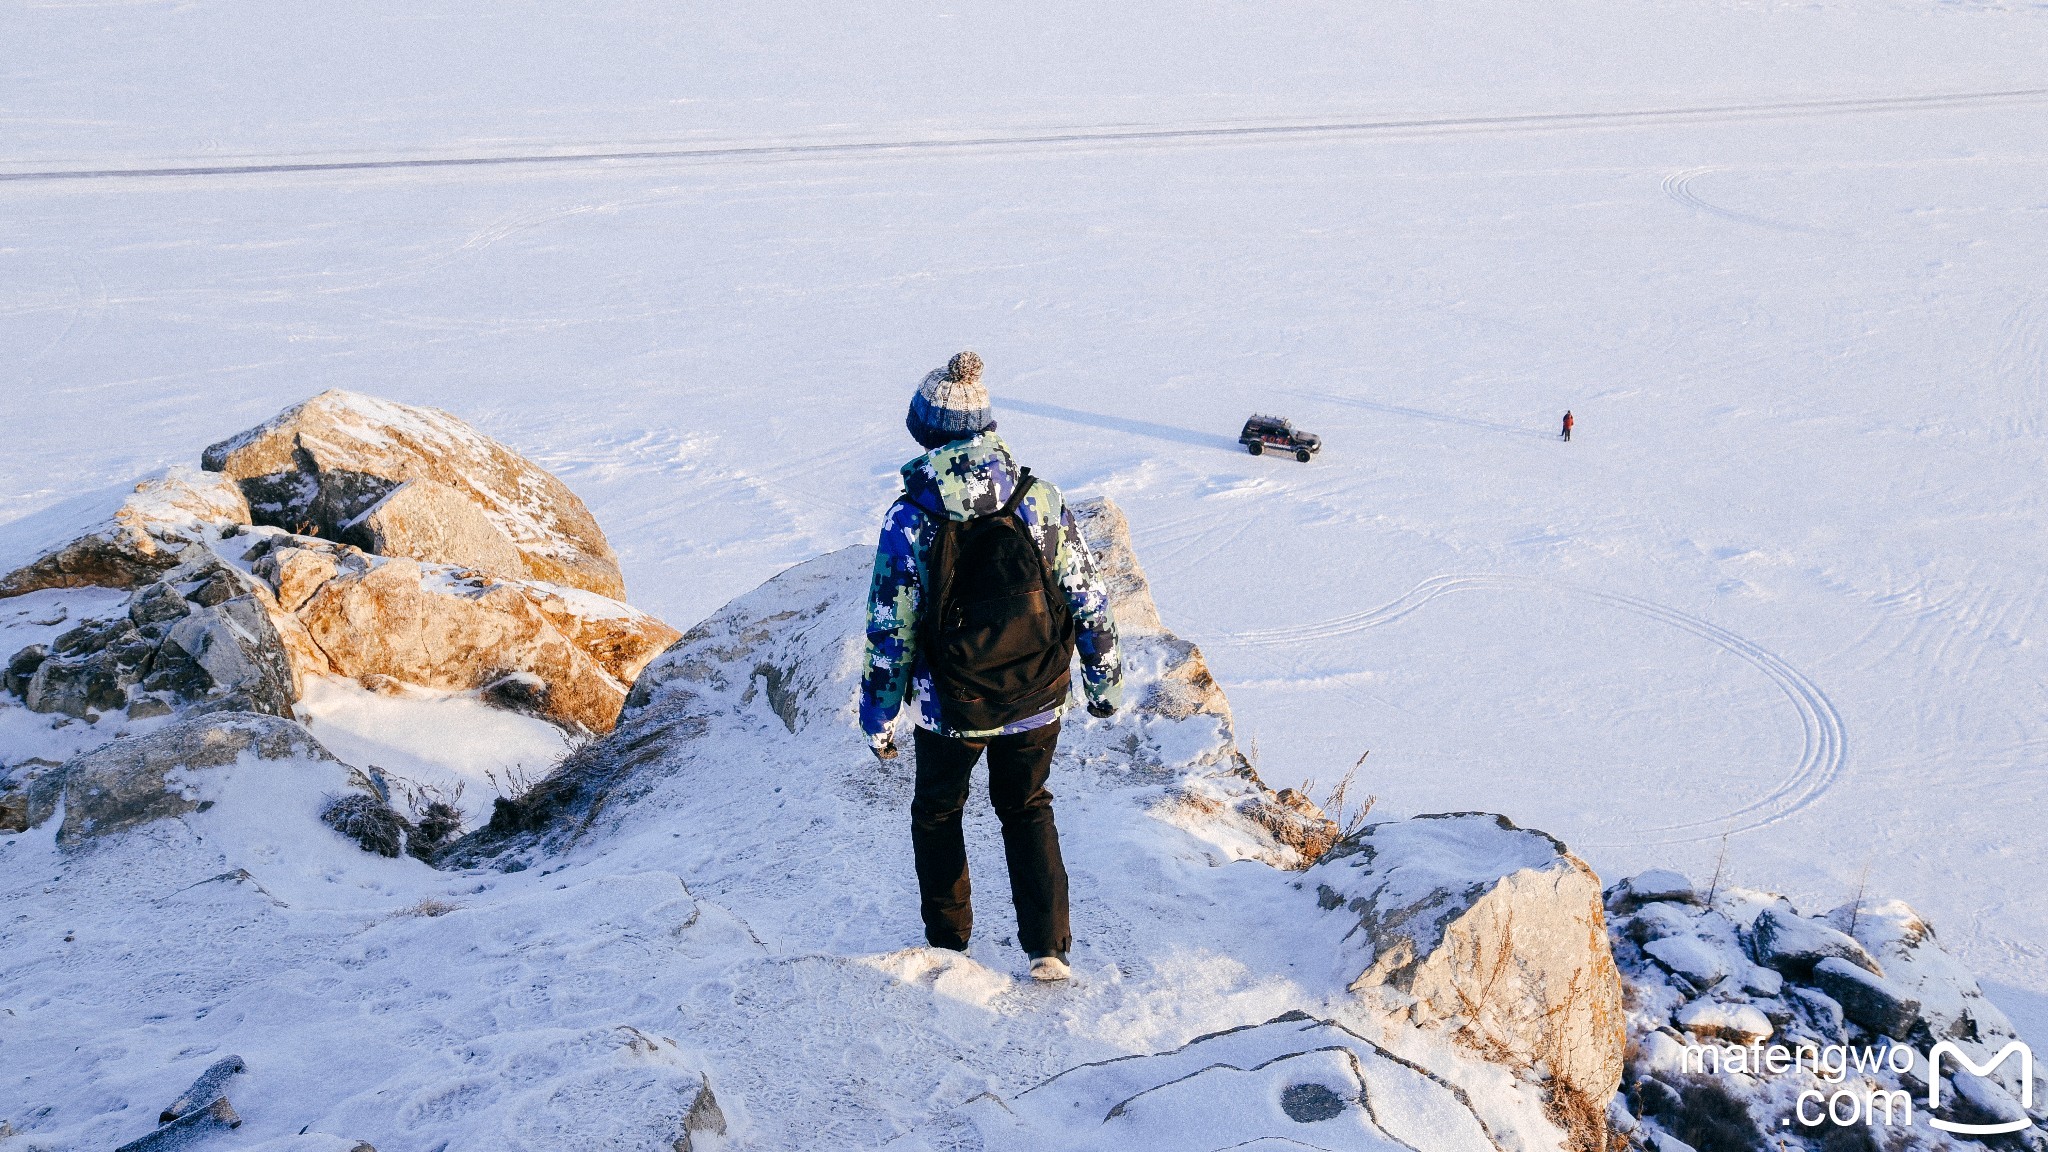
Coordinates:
(320, 466)
(1494, 933)
(141, 540)
(458, 629)
(619, 637)
(296, 573)
(423, 520)
(384, 541)
(1108, 533)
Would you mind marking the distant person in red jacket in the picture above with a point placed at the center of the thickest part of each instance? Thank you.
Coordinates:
(1567, 433)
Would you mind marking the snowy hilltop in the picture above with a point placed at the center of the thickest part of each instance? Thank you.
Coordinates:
(246, 886)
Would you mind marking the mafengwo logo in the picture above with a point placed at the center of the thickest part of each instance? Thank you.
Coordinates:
(1863, 1102)
(1946, 1048)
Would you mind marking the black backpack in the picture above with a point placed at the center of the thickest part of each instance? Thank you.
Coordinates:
(996, 630)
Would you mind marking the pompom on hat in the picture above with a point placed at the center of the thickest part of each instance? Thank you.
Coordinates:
(951, 404)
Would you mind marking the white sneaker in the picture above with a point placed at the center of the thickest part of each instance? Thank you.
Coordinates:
(1050, 967)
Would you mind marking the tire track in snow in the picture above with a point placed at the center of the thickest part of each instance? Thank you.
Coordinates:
(1678, 186)
(1429, 126)
(1822, 756)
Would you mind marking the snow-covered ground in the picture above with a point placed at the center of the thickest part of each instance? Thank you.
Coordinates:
(1781, 588)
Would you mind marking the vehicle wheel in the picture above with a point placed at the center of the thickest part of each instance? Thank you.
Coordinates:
(1255, 448)
(1301, 454)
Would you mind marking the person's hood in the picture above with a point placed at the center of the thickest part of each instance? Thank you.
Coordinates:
(964, 479)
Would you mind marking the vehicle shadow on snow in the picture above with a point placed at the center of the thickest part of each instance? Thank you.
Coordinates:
(1424, 414)
(1121, 424)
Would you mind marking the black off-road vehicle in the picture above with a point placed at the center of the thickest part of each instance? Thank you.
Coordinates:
(1263, 432)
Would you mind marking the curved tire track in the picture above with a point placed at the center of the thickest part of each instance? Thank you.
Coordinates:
(1678, 186)
(1826, 743)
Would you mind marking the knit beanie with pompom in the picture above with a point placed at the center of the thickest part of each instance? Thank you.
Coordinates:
(951, 404)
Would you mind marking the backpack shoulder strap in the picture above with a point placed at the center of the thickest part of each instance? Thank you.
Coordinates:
(1024, 482)
(938, 578)
(1045, 559)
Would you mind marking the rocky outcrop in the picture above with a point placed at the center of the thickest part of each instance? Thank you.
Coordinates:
(132, 782)
(144, 538)
(1902, 946)
(1293, 1082)
(430, 555)
(459, 629)
(201, 638)
(163, 774)
(1494, 933)
(1751, 969)
(792, 649)
(1189, 734)
(334, 466)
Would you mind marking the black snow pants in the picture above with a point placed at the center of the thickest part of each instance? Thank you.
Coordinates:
(1017, 768)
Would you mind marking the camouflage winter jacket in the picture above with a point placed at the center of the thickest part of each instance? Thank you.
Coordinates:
(964, 479)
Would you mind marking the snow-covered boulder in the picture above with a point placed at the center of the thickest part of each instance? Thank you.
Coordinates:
(1867, 999)
(333, 465)
(1658, 921)
(1294, 1082)
(1952, 1005)
(140, 540)
(1658, 885)
(1794, 944)
(1492, 932)
(632, 1090)
(1738, 1024)
(1693, 958)
(794, 643)
(133, 782)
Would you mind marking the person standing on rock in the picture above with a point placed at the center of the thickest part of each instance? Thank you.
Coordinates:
(983, 591)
